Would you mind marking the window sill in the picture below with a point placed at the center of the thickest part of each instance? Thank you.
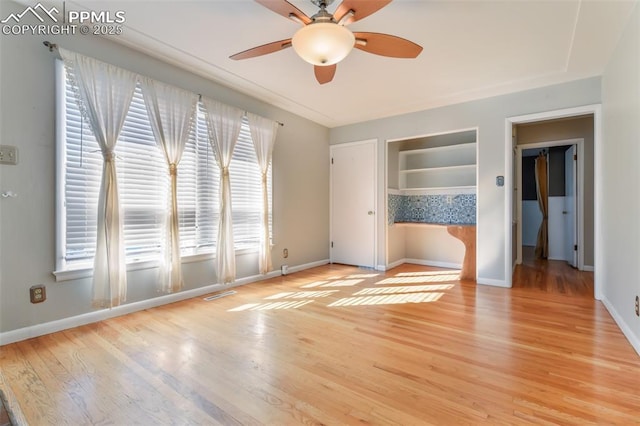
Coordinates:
(75, 273)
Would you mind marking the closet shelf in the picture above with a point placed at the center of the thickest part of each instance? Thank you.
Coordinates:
(451, 167)
(441, 168)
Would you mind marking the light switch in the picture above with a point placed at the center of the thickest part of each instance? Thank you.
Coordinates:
(8, 155)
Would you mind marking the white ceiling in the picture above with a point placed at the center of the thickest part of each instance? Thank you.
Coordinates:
(472, 49)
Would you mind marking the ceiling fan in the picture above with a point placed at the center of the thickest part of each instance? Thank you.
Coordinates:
(324, 40)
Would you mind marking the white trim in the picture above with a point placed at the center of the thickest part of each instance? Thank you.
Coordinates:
(629, 334)
(373, 142)
(594, 110)
(309, 265)
(588, 268)
(508, 205)
(61, 136)
(428, 135)
(91, 317)
(493, 282)
(422, 262)
(598, 205)
(451, 190)
(579, 142)
(137, 265)
(479, 280)
(394, 264)
(478, 218)
(434, 263)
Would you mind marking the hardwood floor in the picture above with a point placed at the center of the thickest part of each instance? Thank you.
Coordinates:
(551, 276)
(337, 345)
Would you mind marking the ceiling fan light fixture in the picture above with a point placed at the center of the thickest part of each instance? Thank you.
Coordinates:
(323, 43)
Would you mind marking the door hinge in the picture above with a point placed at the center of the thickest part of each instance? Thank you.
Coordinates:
(575, 247)
(331, 244)
(331, 160)
(575, 157)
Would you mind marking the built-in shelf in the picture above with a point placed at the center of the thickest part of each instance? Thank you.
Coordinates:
(445, 190)
(450, 167)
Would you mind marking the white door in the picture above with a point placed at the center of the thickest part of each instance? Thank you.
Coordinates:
(353, 188)
(570, 206)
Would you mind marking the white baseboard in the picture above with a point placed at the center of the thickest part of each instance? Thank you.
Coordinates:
(90, 317)
(309, 265)
(392, 265)
(484, 281)
(493, 282)
(626, 330)
(588, 268)
(434, 263)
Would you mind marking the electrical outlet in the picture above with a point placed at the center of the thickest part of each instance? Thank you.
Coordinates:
(285, 253)
(38, 293)
(637, 306)
(8, 155)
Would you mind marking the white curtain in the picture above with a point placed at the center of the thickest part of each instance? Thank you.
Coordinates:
(171, 113)
(104, 94)
(224, 123)
(263, 134)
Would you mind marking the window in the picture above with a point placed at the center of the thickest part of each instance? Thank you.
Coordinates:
(246, 191)
(143, 184)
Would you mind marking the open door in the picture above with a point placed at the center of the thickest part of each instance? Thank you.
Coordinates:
(570, 206)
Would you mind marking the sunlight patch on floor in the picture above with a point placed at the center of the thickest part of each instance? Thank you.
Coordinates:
(342, 283)
(397, 290)
(302, 294)
(430, 287)
(271, 306)
(314, 284)
(427, 273)
(421, 279)
(362, 276)
(393, 299)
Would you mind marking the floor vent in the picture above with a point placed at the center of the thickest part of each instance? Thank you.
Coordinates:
(219, 295)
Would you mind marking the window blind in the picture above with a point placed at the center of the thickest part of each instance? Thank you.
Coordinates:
(143, 183)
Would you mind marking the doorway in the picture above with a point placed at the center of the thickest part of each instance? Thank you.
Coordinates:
(591, 221)
(565, 182)
(353, 201)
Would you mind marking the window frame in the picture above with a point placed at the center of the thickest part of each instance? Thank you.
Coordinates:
(65, 270)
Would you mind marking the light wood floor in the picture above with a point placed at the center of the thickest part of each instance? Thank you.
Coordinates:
(551, 276)
(337, 345)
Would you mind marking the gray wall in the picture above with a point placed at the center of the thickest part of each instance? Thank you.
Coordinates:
(620, 207)
(27, 223)
(489, 116)
(555, 130)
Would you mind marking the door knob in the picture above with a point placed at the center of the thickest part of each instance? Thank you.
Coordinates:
(370, 212)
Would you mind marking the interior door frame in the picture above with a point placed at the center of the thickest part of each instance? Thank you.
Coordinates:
(332, 148)
(596, 111)
(579, 142)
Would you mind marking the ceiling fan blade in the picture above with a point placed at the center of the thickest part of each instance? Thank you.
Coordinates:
(286, 9)
(361, 9)
(387, 45)
(262, 50)
(324, 74)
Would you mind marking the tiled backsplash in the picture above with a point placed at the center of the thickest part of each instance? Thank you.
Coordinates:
(457, 209)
